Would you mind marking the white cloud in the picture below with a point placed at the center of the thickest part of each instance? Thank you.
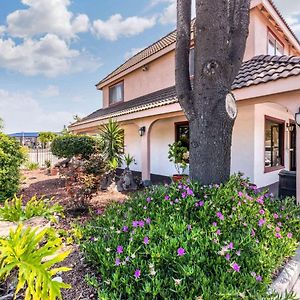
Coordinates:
(21, 112)
(169, 14)
(50, 91)
(132, 52)
(117, 26)
(49, 56)
(46, 16)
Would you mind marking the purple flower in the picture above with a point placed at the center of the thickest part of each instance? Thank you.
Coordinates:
(189, 227)
(218, 232)
(220, 216)
(235, 267)
(214, 224)
(277, 229)
(171, 202)
(238, 253)
(262, 212)
(135, 224)
(176, 200)
(289, 235)
(260, 200)
(201, 203)
(252, 232)
(119, 249)
(167, 197)
(275, 216)
(127, 259)
(183, 195)
(230, 246)
(148, 221)
(117, 262)
(148, 199)
(141, 223)
(227, 257)
(190, 192)
(137, 274)
(125, 228)
(145, 207)
(180, 251)
(99, 212)
(240, 194)
(278, 235)
(261, 222)
(146, 240)
(258, 278)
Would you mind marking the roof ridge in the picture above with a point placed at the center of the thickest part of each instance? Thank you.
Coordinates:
(276, 58)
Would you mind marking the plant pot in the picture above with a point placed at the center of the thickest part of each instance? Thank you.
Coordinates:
(179, 177)
(54, 171)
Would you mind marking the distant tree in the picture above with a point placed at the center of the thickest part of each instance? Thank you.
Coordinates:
(46, 137)
(220, 33)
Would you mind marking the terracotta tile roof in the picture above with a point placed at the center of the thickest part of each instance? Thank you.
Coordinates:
(260, 69)
(264, 68)
(161, 44)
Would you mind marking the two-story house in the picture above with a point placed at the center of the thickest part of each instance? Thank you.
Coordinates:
(140, 94)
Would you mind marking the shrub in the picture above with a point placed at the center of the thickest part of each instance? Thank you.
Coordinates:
(33, 256)
(67, 146)
(187, 241)
(31, 166)
(11, 158)
(13, 211)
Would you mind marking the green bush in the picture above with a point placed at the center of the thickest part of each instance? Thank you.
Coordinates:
(67, 146)
(13, 211)
(186, 241)
(31, 166)
(32, 257)
(11, 158)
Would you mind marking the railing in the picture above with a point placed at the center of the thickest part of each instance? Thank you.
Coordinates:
(41, 155)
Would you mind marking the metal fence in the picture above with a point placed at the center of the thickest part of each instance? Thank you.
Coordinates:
(41, 155)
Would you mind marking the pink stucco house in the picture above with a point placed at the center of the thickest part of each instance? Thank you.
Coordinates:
(140, 94)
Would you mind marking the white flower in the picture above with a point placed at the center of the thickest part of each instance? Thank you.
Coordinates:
(112, 227)
(152, 272)
(151, 266)
(177, 281)
(108, 249)
(107, 282)
(118, 231)
(133, 255)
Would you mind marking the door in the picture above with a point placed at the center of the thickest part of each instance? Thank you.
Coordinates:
(293, 149)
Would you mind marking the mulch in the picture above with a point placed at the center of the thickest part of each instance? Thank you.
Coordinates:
(40, 183)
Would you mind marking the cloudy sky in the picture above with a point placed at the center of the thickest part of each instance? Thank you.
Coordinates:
(53, 52)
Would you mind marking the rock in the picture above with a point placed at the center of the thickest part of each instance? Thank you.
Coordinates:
(126, 182)
(58, 279)
(5, 228)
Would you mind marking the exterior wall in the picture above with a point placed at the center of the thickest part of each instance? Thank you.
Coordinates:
(162, 134)
(132, 145)
(242, 151)
(278, 112)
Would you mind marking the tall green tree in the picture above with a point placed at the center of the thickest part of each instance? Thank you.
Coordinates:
(220, 33)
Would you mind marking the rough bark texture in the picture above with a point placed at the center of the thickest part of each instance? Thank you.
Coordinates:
(221, 30)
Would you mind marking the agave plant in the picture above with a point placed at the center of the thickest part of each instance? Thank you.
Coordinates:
(111, 140)
(32, 255)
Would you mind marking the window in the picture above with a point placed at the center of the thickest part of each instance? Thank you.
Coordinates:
(274, 144)
(182, 133)
(274, 46)
(116, 93)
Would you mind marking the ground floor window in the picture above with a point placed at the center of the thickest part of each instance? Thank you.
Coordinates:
(182, 134)
(274, 143)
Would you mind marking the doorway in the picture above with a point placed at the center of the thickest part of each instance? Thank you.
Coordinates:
(293, 148)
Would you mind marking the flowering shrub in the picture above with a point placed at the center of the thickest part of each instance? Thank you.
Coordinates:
(186, 241)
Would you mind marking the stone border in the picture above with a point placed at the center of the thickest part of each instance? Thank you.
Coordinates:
(286, 280)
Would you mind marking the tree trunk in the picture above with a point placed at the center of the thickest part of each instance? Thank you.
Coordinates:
(221, 30)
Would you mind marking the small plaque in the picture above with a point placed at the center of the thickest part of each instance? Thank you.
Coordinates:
(231, 107)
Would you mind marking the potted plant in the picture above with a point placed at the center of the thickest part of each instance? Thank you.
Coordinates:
(179, 155)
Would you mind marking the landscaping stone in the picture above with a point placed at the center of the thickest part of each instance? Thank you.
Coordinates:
(39, 222)
(288, 277)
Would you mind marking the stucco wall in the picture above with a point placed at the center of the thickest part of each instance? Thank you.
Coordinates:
(132, 143)
(242, 151)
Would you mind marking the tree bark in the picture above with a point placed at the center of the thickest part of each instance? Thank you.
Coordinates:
(221, 30)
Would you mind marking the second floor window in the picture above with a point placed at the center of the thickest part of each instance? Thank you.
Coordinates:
(116, 93)
(274, 46)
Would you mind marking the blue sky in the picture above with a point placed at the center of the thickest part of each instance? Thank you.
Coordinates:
(53, 52)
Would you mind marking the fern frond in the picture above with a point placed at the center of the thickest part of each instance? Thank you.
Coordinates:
(26, 251)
